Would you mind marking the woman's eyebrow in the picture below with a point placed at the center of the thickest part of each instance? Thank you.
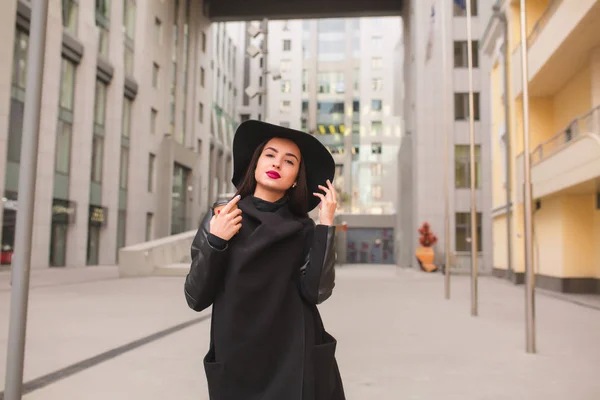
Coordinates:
(287, 154)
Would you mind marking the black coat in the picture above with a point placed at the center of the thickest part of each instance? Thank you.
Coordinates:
(267, 338)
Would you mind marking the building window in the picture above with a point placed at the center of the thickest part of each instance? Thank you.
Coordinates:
(149, 218)
(462, 166)
(376, 169)
(65, 117)
(377, 129)
(100, 104)
(376, 191)
(286, 86)
(97, 154)
(461, 106)
(377, 63)
(126, 120)
(461, 54)
(103, 24)
(155, 71)
(463, 232)
(63, 147)
(376, 105)
(376, 148)
(377, 84)
(70, 11)
(286, 106)
(129, 12)
(202, 77)
(287, 45)
(158, 30)
(304, 81)
(151, 160)
(121, 230)
(124, 167)
(376, 43)
(460, 8)
(200, 112)
(19, 81)
(153, 118)
(285, 66)
(203, 42)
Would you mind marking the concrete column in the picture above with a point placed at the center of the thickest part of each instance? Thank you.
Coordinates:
(112, 138)
(81, 138)
(7, 32)
(42, 218)
(139, 201)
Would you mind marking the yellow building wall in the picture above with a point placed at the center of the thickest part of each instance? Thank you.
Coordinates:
(519, 244)
(578, 236)
(597, 242)
(498, 156)
(535, 9)
(573, 100)
(499, 242)
(548, 243)
(541, 120)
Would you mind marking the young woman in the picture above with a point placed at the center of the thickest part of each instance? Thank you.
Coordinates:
(264, 266)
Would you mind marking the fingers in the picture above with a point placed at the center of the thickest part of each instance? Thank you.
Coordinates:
(329, 192)
(320, 196)
(234, 214)
(236, 221)
(230, 205)
(333, 191)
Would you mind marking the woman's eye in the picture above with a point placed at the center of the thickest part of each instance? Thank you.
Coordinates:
(289, 162)
(269, 155)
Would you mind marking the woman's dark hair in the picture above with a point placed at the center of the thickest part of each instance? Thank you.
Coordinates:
(297, 196)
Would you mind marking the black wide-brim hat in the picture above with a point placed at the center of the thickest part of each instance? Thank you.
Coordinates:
(318, 162)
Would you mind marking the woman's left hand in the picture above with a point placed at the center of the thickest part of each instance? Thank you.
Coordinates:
(328, 204)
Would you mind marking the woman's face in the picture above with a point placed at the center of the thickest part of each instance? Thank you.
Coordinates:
(278, 165)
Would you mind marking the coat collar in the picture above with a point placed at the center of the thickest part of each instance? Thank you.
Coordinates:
(273, 226)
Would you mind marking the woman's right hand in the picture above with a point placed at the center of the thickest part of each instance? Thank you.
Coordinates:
(227, 223)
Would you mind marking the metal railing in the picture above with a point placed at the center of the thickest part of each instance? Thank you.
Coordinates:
(542, 21)
(539, 25)
(586, 123)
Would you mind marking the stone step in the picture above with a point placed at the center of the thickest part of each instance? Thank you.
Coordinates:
(172, 270)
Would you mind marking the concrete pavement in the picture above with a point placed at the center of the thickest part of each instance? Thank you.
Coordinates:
(91, 336)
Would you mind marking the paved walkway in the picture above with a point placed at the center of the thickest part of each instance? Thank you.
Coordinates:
(91, 336)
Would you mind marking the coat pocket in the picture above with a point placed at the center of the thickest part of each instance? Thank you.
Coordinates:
(214, 377)
(325, 371)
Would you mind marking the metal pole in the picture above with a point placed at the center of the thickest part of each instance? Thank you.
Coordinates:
(24, 229)
(446, 131)
(529, 273)
(265, 68)
(474, 254)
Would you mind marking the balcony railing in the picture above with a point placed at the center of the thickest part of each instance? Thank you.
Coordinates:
(586, 123)
(542, 21)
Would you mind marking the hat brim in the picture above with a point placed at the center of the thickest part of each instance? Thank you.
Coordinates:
(319, 163)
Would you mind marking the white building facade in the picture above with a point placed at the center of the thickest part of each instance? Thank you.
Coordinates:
(421, 176)
(140, 101)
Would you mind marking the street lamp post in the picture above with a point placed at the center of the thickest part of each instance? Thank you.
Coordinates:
(529, 274)
(474, 238)
(446, 132)
(29, 151)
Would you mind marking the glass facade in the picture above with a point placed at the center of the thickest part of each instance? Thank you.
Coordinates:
(179, 221)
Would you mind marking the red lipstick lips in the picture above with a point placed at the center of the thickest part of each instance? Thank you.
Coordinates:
(273, 175)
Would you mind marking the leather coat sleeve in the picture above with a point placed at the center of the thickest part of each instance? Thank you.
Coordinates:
(206, 271)
(317, 274)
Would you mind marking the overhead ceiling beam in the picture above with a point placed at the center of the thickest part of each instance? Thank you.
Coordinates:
(247, 10)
